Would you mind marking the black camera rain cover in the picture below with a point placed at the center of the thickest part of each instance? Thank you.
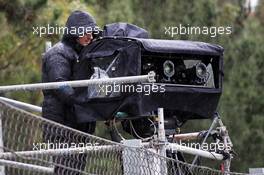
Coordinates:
(127, 54)
(127, 63)
(124, 30)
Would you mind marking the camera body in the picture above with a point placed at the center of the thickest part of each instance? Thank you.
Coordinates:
(189, 73)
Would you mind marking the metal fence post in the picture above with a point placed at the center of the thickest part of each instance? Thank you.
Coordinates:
(2, 168)
(162, 141)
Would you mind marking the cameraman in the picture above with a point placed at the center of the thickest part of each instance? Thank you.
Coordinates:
(57, 66)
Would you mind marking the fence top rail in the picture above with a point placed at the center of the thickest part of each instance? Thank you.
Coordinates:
(22, 105)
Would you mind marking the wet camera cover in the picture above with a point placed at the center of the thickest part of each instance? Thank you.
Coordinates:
(190, 72)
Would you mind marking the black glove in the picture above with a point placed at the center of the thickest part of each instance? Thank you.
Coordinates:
(66, 89)
(66, 94)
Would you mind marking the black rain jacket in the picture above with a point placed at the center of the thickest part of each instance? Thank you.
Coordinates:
(57, 65)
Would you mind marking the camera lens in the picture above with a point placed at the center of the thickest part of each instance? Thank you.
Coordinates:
(201, 70)
(168, 68)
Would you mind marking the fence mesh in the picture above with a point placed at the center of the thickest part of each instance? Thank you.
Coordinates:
(46, 147)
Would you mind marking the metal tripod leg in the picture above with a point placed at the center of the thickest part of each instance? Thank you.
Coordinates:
(208, 133)
(227, 143)
(226, 140)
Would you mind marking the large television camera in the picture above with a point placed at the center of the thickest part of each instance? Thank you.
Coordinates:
(188, 80)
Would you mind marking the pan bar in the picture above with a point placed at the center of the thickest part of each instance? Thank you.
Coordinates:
(80, 83)
(186, 136)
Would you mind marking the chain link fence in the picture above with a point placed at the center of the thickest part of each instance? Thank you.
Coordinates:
(32, 145)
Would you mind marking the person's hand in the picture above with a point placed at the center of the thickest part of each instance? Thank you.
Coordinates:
(66, 89)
